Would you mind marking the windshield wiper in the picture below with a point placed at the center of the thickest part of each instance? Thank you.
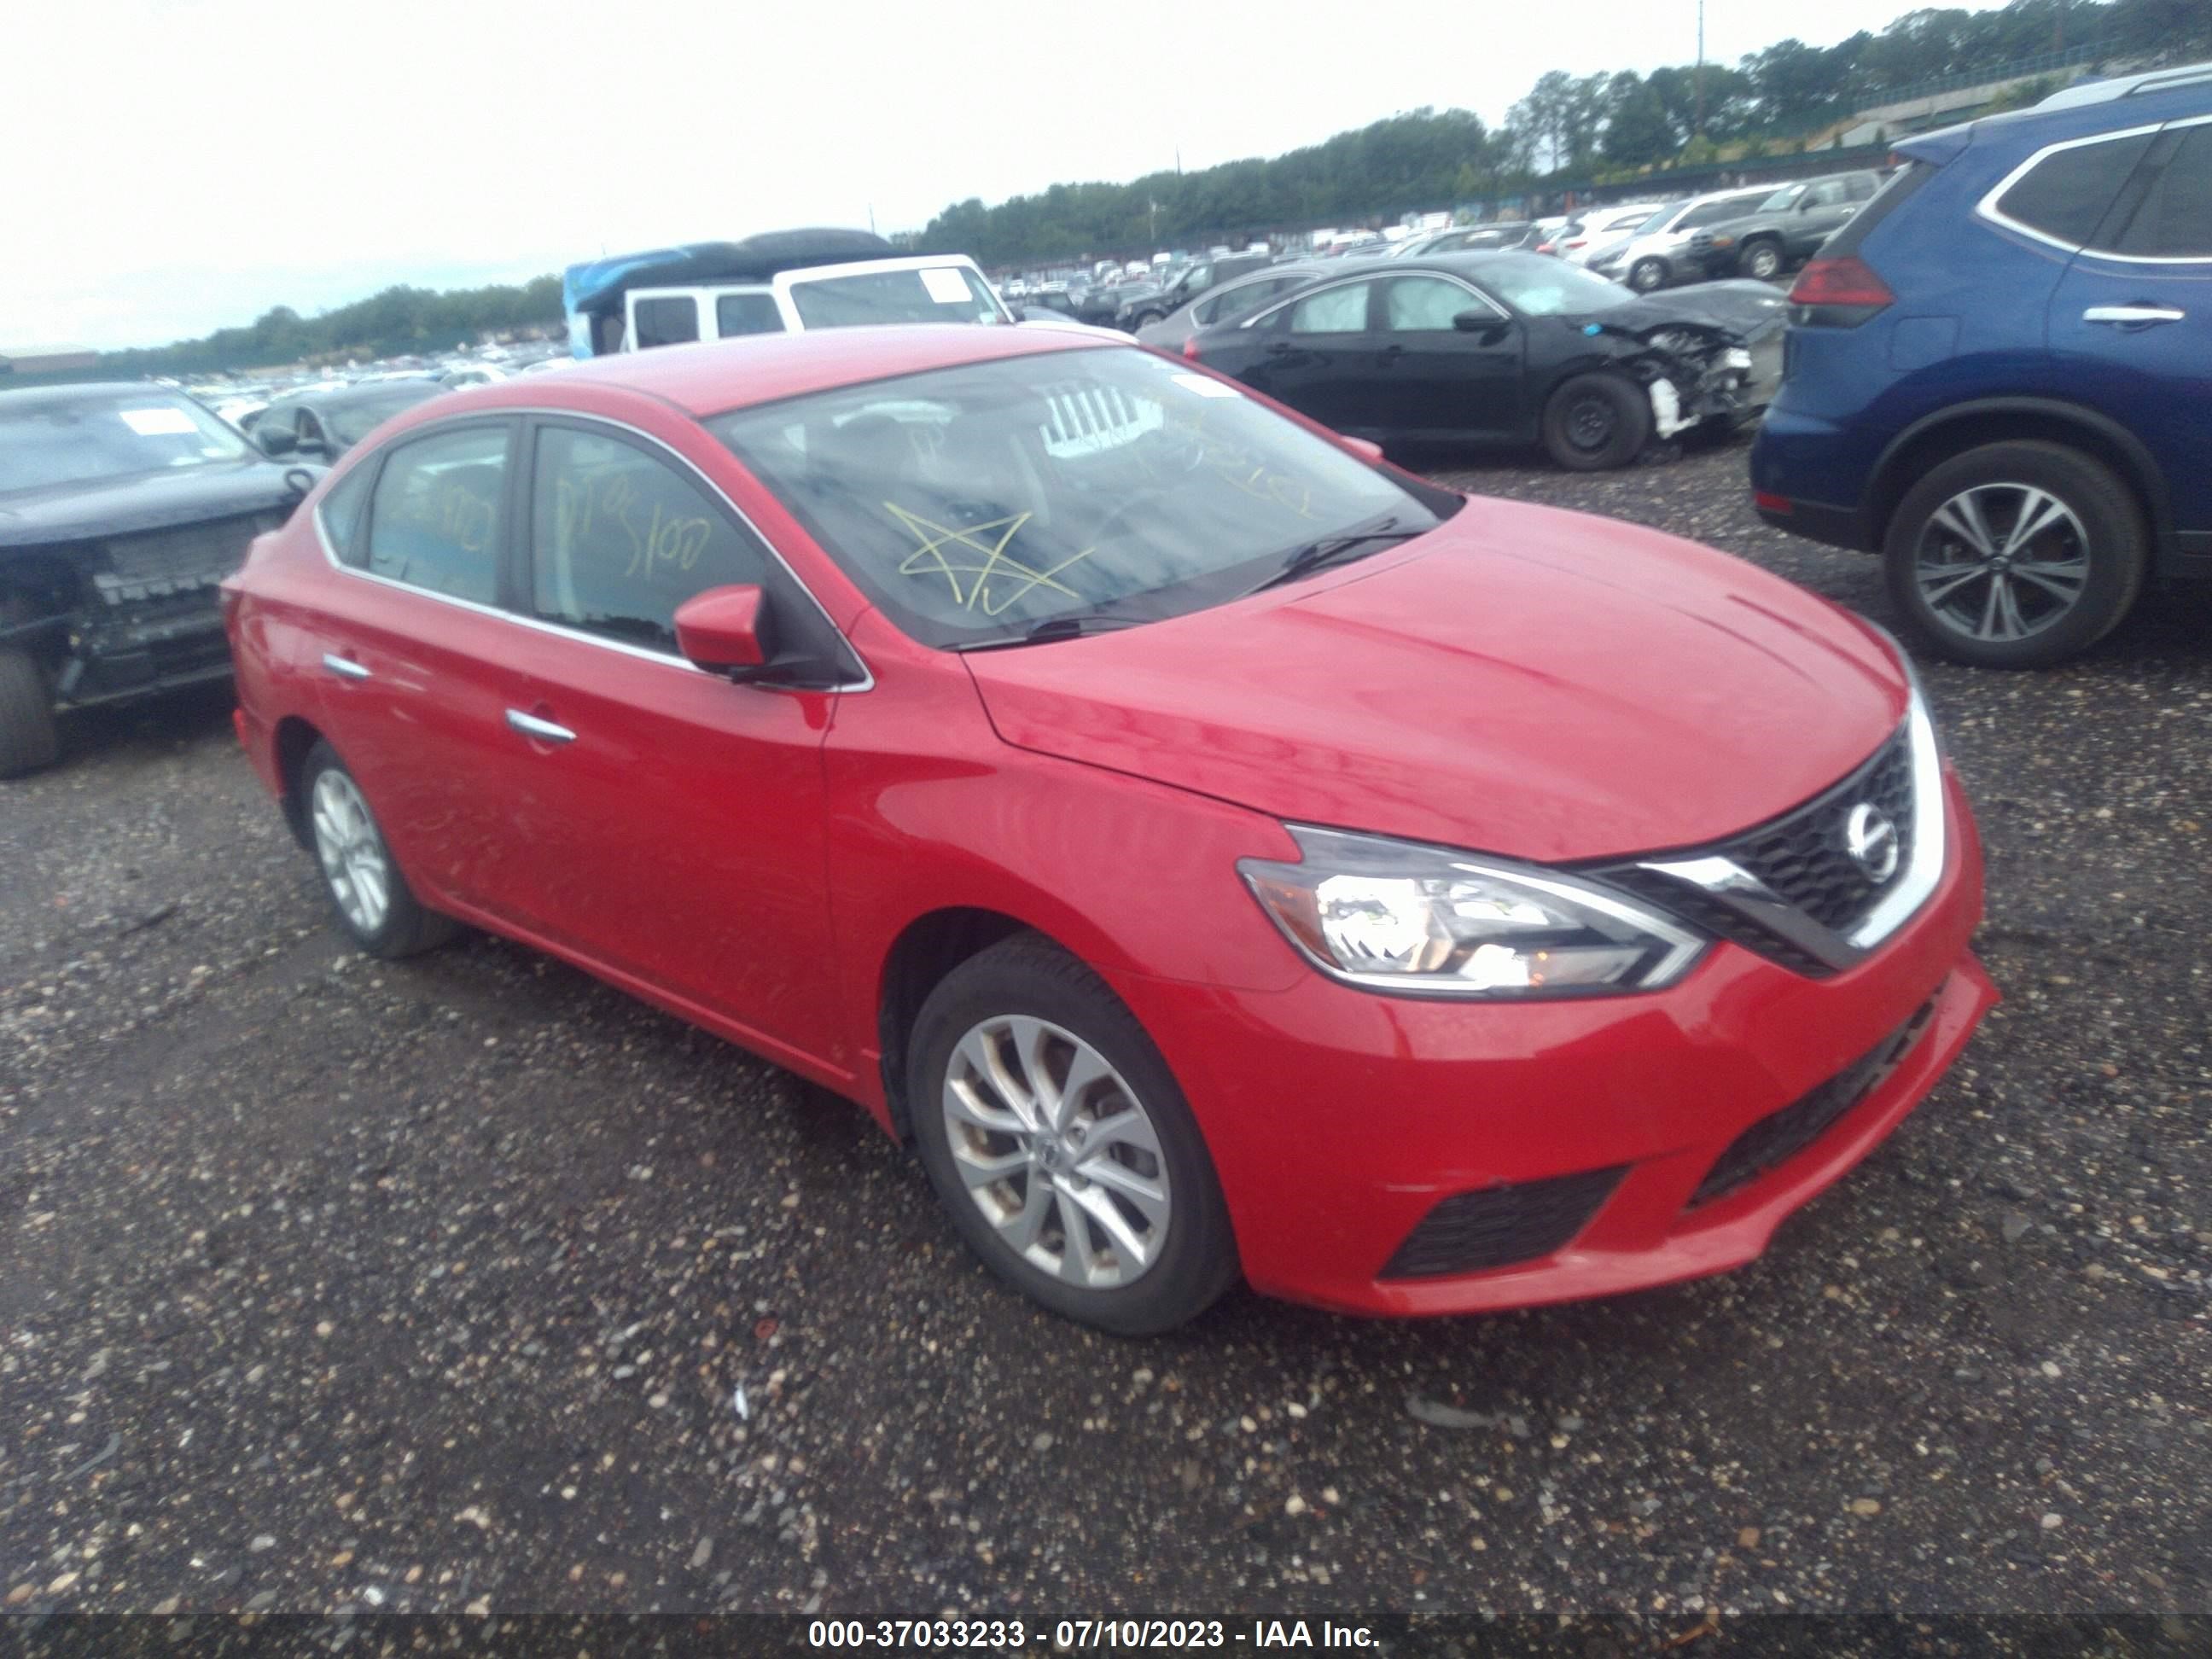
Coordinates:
(1314, 555)
(1056, 628)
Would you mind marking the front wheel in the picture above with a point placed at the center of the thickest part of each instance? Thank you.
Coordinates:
(1595, 422)
(28, 737)
(1055, 1134)
(2016, 555)
(1648, 276)
(374, 901)
(1762, 260)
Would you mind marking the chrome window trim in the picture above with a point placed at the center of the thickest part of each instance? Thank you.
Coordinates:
(866, 683)
(1987, 209)
(1740, 890)
(1314, 292)
(1458, 281)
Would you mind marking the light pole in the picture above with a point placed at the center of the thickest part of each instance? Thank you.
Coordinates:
(1697, 75)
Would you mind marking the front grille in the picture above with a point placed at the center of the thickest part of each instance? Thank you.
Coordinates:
(1780, 1136)
(190, 559)
(1496, 1226)
(1802, 858)
(1801, 855)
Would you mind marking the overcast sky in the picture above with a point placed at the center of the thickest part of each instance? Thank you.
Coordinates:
(177, 166)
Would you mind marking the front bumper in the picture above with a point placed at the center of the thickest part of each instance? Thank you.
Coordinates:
(1338, 1121)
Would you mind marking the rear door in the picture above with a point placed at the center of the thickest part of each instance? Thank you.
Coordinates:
(2131, 319)
(668, 823)
(1322, 354)
(1438, 380)
(413, 659)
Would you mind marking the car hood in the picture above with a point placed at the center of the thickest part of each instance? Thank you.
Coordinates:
(1742, 305)
(148, 501)
(1523, 681)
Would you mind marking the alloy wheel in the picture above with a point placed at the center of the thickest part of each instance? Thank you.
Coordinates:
(1057, 1152)
(352, 852)
(1763, 262)
(2000, 561)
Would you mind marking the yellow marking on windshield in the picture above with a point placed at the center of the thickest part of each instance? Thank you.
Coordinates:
(929, 560)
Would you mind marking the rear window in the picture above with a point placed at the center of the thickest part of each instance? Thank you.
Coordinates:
(746, 313)
(2175, 219)
(2066, 195)
(673, 319)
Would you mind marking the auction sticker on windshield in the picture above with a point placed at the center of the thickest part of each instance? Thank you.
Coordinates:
(158, 422)
(945, 284)
(1203, 386)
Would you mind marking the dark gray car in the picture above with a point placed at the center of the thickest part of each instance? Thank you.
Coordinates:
(1786, 228)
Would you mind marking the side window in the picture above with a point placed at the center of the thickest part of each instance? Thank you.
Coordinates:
(1425, 304)
(619, 538)
(1333, 311)
(671, 319)
(2175, 219)
(746, 313)
(1861, 186)
(2065, 195)
(1828, 195)
(339, 512)
(436, 518)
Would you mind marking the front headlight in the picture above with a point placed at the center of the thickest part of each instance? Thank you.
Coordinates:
(1394, 915)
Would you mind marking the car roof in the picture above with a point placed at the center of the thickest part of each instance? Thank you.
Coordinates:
(364, 391)
(88, 392)
(713, 377)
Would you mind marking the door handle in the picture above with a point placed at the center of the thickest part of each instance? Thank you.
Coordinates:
(344, 667)
(544, 731)
(1281, 348)
(2141, 311)
(1393, 351)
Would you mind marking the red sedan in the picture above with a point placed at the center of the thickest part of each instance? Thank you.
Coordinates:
(1217, 852)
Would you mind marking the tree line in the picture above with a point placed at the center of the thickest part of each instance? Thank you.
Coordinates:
(1568, 129)
(399, 321)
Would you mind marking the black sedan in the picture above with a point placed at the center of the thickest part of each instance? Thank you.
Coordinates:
(121, 508)
(323, 423)
(1508, 348)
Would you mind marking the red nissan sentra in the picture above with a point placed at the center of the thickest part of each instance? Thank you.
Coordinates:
(1217, 851)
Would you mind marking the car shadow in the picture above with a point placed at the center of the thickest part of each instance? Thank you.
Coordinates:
(144, 731)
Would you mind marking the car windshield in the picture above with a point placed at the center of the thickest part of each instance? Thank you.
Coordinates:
(356, 418)
(972, 504)
(1536, 286)
(1781, 200)
(933, 294)
(70, 438)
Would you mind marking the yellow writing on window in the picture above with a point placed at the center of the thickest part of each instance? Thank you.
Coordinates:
(994, 581)
(657, 539)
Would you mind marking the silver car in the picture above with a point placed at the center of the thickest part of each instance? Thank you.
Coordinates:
(1657, 252)
(1233, 299)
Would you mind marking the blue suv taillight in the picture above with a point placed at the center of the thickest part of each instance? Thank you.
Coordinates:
(1838, 293)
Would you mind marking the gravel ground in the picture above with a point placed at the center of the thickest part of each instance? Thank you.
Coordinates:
(332, 1283)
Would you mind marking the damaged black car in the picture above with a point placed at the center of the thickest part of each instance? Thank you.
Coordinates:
(121, 508)
(1509, 347)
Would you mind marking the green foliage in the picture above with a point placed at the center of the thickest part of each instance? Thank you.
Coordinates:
(1568, 130)
(399, 320)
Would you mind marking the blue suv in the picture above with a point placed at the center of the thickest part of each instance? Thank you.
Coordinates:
(1998, 375)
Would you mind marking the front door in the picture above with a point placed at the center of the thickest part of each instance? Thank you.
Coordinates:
(2130, 324)
(672, 825)
(1439, 380)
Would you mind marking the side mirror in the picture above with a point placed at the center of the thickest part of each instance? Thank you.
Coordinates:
(275, 440)
(725, 630)
(1487, 324)
(1366, 448)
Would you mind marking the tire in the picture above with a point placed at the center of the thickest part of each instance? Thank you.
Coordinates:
(338, 816)
(1596, 421)
(29, 738)
(2000, 605)
(1026, 997)
(1648, 276)
(1762, 260)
